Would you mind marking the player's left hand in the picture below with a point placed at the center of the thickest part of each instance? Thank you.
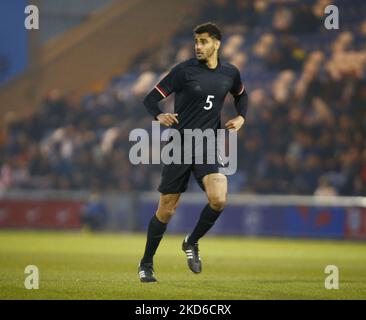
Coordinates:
(235, 124)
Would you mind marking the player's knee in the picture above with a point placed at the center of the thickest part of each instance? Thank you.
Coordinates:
(169, 211)
(166, 209)
(165, 214)
(217, 202)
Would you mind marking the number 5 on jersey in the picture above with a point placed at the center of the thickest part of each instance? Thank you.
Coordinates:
(210, 103)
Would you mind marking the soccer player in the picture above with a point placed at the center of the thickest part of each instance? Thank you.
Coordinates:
(200, 86)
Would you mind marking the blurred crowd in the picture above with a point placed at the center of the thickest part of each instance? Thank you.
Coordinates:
(305, 129)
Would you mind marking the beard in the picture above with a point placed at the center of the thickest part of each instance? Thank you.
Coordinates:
(205, 57)
(201, 59)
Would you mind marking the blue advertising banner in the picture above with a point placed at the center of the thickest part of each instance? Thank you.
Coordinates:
(258, 220)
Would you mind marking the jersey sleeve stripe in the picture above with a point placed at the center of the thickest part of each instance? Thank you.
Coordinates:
(162, 92)
(241, 91)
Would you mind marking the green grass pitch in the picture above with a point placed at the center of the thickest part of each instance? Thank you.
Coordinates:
(77, 265)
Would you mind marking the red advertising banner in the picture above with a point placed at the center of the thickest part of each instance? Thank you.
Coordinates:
(355, 223)
(53, 214)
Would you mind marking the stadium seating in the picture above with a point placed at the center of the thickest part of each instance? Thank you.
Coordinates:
(306, 125)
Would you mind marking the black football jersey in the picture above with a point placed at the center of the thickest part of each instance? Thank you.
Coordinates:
(200, 92)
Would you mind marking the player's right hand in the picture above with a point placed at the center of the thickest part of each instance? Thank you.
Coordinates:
(167, 119)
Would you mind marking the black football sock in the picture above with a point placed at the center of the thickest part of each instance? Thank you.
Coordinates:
(155, 233)
(205, 223)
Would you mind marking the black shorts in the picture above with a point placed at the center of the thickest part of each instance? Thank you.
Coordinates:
(175, 177)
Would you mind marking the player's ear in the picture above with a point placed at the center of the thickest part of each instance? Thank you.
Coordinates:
(217, 44)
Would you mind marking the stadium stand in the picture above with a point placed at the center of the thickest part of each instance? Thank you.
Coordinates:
(306, 126)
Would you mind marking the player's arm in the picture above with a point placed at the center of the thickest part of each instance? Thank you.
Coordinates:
(151, 103)
(170, 83)
(241, 104)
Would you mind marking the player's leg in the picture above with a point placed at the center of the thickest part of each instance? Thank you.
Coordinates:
(174, 181)
(158, 224)
(156, 229)
(215, 185)
(168, 203)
